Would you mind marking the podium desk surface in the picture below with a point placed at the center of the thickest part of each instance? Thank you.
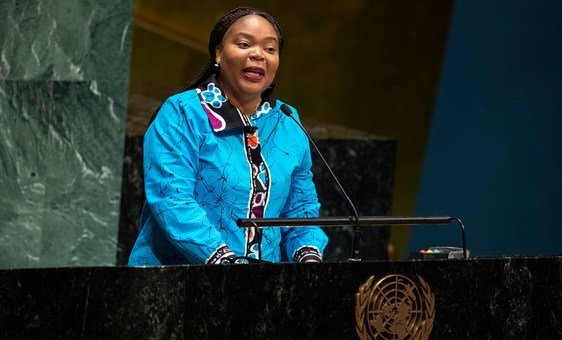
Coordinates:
(491, 297)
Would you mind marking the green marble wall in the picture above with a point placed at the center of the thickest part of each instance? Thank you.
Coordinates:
(64, 70)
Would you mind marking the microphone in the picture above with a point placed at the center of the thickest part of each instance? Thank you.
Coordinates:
(357, 233)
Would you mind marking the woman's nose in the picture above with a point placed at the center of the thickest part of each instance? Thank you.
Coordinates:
(257, 54)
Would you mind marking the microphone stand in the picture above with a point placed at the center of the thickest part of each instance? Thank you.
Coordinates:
(353, 221)
(356, 230)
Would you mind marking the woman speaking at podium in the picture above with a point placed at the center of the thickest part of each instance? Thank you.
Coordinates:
(220, 150)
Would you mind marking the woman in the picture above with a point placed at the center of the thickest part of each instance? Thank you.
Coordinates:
(222, 150)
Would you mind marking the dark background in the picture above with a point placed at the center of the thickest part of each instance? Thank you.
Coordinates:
(366, 65)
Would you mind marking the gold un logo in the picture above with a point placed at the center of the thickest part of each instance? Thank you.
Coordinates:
(394, 308)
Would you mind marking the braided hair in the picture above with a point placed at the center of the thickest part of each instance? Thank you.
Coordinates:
(217, 34)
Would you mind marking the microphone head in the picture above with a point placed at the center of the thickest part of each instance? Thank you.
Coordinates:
(286, 110)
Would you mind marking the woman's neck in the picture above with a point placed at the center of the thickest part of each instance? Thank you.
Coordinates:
(247, 106)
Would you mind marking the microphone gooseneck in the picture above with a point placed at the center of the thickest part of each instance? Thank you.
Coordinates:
(357, 233)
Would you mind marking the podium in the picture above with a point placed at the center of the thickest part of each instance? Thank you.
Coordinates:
(504, 297)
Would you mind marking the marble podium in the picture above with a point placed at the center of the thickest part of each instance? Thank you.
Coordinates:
(508, 297)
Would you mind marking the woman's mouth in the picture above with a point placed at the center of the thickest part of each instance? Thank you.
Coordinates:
(254, 73)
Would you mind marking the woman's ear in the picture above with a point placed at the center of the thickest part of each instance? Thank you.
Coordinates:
(218, 53)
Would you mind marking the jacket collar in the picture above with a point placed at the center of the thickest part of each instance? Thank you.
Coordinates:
(224, 116)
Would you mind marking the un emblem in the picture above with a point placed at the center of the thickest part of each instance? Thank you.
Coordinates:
(394, 308)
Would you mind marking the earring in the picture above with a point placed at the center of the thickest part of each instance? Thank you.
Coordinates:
(217, 62)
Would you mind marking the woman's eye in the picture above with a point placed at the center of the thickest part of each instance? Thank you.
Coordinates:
(270, 49)
(243, 44)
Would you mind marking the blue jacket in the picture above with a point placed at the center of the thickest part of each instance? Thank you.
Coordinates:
(198, 182)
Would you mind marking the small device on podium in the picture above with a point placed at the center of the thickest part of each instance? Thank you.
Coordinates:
(436, 253)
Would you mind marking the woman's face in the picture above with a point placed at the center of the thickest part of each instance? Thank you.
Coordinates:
(248, 58)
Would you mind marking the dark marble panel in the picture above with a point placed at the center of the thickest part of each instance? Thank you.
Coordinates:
(82, 197)
(25, 110)
(21, 216)
(25, 113)
(64, 69)
(474, 299)
(81, 303)
(60, 171)
(132, 193)
(156, 313)
(42, 304)
(364, 166)
(65, 40)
